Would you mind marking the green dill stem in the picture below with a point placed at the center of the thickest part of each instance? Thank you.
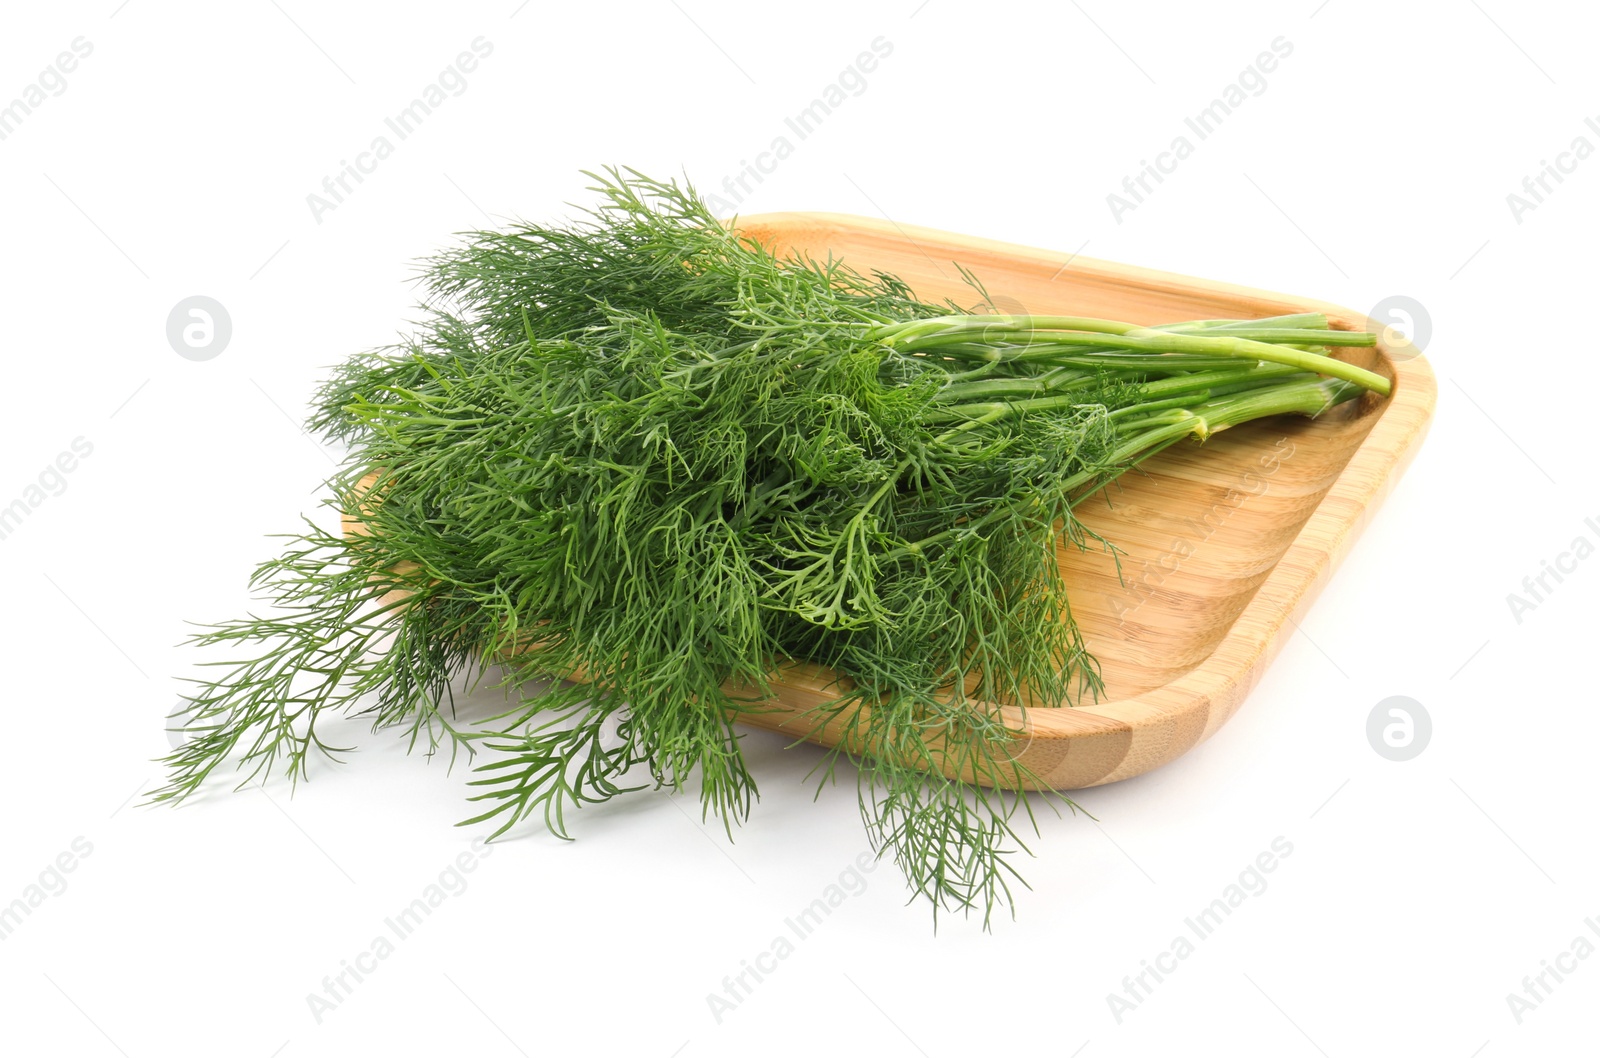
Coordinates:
(1205, 379)
(914, 330)
(1294, 336)
(1302, 320)
(1142, 363)
(985, 402)
(1310, 397)
(1074, 331)
(988, 389)
(1050, 398)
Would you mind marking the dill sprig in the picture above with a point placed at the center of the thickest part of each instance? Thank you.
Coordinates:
(644, 452)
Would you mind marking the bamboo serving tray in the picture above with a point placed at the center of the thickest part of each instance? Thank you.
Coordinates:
(1224, 545)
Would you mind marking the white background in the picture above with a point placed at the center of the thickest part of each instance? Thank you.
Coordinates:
(1377, 162)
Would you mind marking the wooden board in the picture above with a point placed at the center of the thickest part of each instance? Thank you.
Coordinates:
(1225, 544)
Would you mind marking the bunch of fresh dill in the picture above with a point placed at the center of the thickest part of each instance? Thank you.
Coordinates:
(644, 452)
